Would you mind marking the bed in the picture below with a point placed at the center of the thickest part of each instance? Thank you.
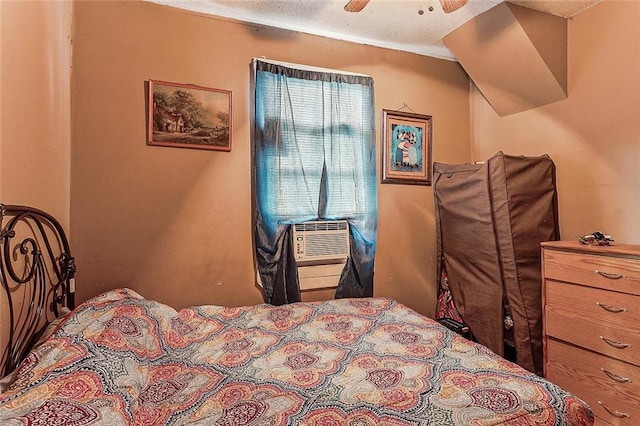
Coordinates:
(121, 359)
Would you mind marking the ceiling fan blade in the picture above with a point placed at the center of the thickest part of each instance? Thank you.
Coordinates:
(355, 5)
(452, 5)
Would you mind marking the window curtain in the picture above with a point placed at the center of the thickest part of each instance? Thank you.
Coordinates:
(314, 158)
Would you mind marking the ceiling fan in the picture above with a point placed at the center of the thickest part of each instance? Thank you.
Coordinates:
(447, 5)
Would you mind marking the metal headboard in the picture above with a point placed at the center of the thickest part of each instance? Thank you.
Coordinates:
(37, 272)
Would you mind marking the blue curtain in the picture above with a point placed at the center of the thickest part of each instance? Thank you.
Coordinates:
(314, 158)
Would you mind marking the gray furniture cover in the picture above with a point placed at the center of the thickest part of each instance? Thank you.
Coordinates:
(490, 220)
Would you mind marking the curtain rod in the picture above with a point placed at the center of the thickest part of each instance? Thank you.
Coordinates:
(306, 67)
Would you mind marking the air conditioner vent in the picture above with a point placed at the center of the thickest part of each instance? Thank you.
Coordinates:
(328, 225)
(325, 245)
(321, 241)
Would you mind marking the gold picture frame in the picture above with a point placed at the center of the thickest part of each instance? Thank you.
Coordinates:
(189, 116)
(406, 147)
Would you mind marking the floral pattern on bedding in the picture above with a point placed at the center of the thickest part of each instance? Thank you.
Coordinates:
(119, 359)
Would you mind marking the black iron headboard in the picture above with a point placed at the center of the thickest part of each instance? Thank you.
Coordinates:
(37, 272)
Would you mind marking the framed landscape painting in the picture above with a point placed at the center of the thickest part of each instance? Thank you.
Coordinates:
(406, 148)
(189, 116)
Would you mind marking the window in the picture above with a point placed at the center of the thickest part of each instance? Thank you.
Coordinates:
(314, 158)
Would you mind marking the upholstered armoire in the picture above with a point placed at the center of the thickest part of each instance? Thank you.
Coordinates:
(491, 218)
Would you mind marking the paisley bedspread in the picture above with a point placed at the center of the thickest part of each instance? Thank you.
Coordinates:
(119, 359)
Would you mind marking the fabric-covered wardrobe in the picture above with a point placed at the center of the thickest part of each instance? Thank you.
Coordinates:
(490, 220)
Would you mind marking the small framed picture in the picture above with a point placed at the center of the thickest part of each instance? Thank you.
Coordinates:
(406, 148)
(189, 116)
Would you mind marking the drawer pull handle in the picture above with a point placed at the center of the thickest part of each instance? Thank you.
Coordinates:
(615, 377)
(615, 413)
(609, 308)
(611, 276)
(615, 344)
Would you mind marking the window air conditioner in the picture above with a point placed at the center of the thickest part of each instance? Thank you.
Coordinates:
(321, 251)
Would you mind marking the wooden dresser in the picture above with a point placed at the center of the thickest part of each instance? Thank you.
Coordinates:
(591, 326)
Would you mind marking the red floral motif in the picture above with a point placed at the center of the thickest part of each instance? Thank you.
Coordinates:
(359, 417)
(405, 338)
(304, 376)
(329, 421)
(340, 325)
(366, 363)
(147, 415)
(245, 403)
(463, 382)
(131, 329)
(278, 318)
(238, 345)
(495, 399)
(228, 313)
(74, 389)
(242, 413)
(300, 360)
(369, 307)
(61, 412)
(172, 388)
(124, 325)
(235, 347)
(190, 327)
(230, 395)
(384, 378)
(181, 327)
(360, 303)
(340, 328)
(160, 391)
(394, 396)
(234, 358)
(279, 314)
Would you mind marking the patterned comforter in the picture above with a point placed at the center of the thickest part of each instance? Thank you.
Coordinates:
(121, 359)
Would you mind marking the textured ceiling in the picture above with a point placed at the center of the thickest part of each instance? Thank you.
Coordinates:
(416, 26)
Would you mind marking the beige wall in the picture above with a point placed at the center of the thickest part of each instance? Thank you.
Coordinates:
(35, 113)
(593, 136)
(175, 224)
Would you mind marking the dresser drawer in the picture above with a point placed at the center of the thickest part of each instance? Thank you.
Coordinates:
(603, 321)
(610, 387)
(606, 272)
(606, 307)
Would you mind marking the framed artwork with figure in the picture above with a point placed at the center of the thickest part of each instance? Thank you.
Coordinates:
(406, 147)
